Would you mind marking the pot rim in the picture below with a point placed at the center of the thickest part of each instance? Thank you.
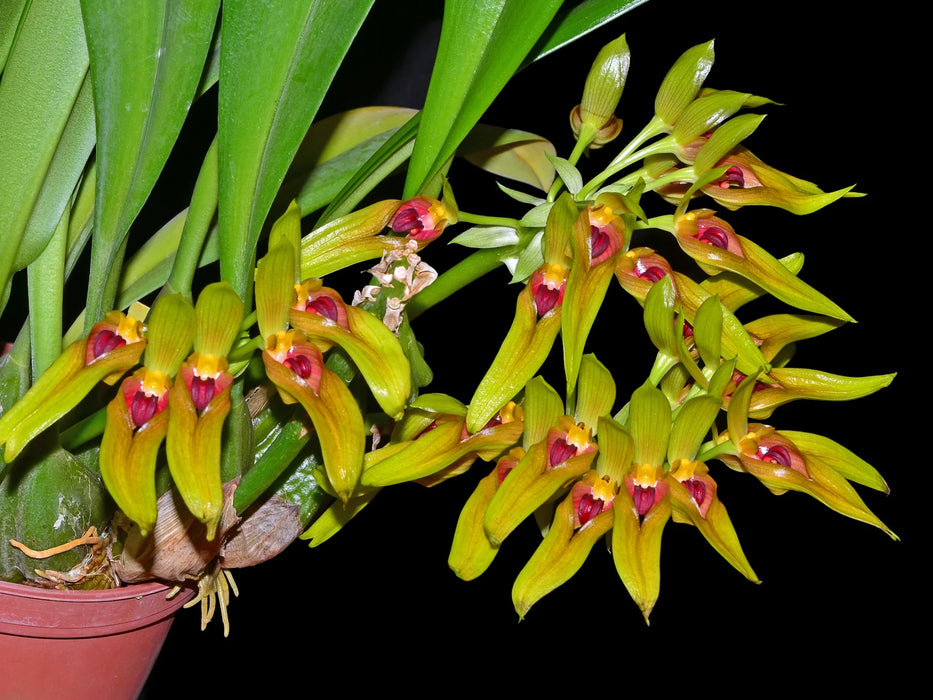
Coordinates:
(39, 612)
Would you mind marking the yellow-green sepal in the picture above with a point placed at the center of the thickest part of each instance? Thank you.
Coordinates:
(277, 273)
(332, 520)
(218, 313)
(192, 446)
(559, 556)
(374, 349)
(716, 527)
(838, 458)
(636, 548)
(128, 460)
(759, 266)
(471, 552)
(522, 353)
(418, 458)
(58, 390)
(682, 83)
(171, 325)
(348, 240)
(586, 288)
(785, 384)
(778, 331)
(336, 418)
(650, 425)
(527, 487)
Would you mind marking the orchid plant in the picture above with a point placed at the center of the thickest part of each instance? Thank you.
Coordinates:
(198, 417)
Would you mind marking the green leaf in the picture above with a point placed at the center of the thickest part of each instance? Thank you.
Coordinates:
(11, 12)
(518, 155)
(42, 76)
(572, 23)
(142, 92)
(270, 90)
(61, 180)
(482, 44)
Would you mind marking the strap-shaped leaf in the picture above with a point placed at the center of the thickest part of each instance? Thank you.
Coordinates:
(482, 44)
(143, 89)
(570, 24)
(42, 76)
(276, 65)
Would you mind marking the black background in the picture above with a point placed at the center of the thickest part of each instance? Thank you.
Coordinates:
(376, 608)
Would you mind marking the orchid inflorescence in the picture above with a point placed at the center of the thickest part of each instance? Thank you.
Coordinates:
(332, 392)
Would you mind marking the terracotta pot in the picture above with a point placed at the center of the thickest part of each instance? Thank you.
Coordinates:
(82, 644)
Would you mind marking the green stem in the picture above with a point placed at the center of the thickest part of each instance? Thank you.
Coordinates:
(578, 149)
(85, 430)
(46, 283)
(480, 220)
(711, 450)
(197, 225)
(457, 277)
(664, 145)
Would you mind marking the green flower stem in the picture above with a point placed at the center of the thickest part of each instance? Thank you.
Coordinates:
(662, 365)
(197, 225)
(269, 466)
(84, 430)
(665, 145)
(479, 219)
(653, 128)
(459, 276)
(578, 150)
(711, 450)
(46, 282)
(681, 175)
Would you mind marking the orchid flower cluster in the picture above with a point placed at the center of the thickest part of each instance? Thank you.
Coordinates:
(332, 399)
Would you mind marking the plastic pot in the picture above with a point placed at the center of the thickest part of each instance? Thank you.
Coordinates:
(82, 644)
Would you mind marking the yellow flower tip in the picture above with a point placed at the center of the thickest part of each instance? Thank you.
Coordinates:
(683, 469)
(749, 444)
(130, 329)
(602, 216)
(579, 436)
(646, 475)
(207, 365)
(510, 413)
(280, 343)
(211, 526)
(604, 489)
(554, 276)
(304, 290)
(154, 382)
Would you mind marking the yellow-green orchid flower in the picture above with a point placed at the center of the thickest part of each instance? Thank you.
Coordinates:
(200, 403)
(296, 366)
(786, 461)
(113, 346)
(642, 507)
(749, 181)
(716, 247)
(137, 418)
(375, 350)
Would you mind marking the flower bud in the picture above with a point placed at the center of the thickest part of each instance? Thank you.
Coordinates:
(593, 121)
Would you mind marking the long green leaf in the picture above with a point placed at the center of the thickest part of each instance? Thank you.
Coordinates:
(42, 76)
(11, 11)
(278, 59)
(482, 44)
(143, 89)
(572, 23)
